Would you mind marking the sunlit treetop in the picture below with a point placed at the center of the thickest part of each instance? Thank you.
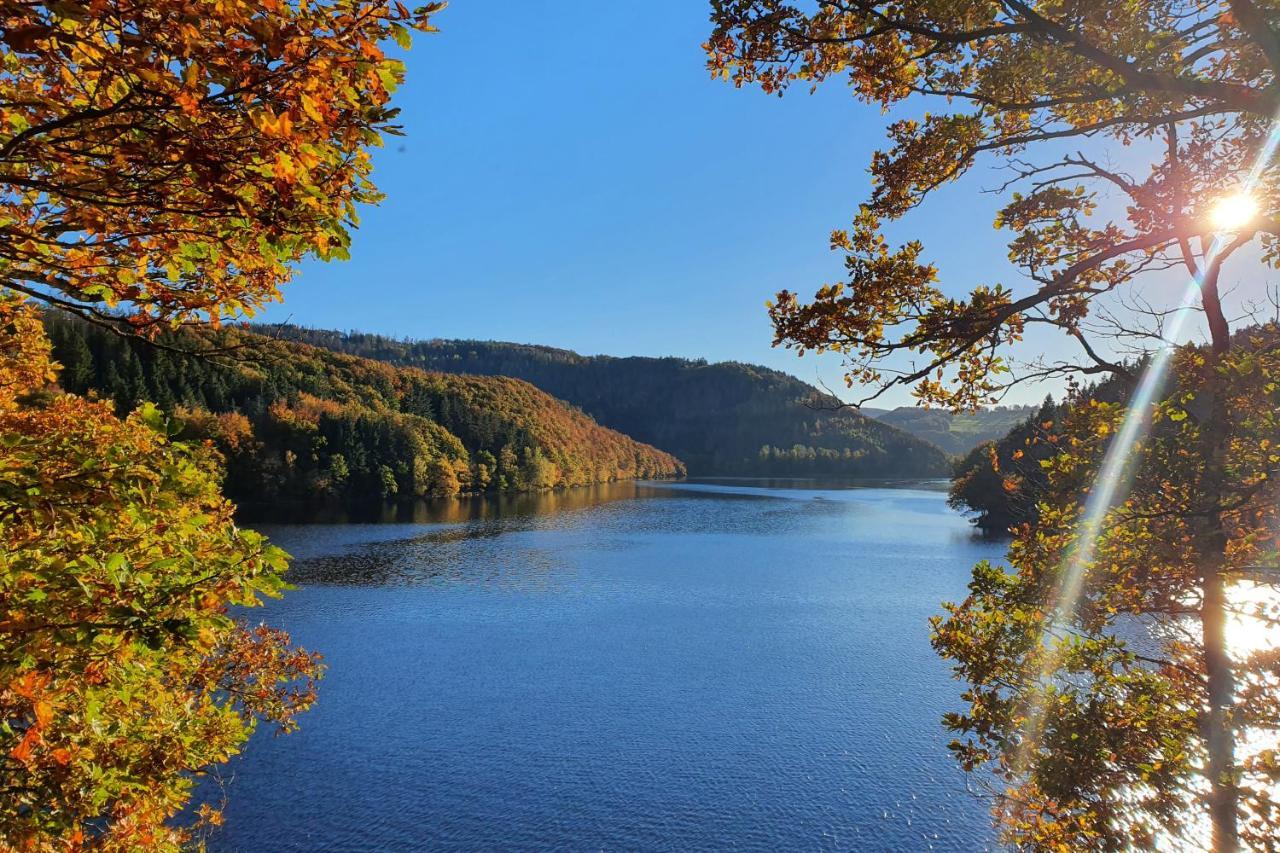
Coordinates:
(170, 159)
(26, 365)
(1052, 91)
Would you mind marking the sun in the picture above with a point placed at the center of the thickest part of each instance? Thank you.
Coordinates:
(1235, 211)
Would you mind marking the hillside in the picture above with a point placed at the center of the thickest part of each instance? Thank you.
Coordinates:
(956, 434)
(720, 419)
(297, 422)
(1001, 482)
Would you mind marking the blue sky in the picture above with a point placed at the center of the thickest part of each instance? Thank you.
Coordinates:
(572, 177)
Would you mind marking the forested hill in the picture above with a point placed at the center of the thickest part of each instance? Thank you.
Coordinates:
(720, 419)
(296, 422)
(955, 433)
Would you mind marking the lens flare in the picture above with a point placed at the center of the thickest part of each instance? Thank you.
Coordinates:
(1234, 212)
(1116, 474)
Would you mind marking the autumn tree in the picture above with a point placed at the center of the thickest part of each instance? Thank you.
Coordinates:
(161, 163)
(120, 666)
(1001, 481)
(1120, 127)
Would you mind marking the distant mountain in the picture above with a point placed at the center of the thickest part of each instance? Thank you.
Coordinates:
(297, 422)
(719, 419)
(956, 434)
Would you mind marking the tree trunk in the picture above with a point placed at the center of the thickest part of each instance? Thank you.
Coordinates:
(1220, 736)
(1219, 731)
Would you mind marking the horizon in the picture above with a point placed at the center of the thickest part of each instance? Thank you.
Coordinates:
(409, 339)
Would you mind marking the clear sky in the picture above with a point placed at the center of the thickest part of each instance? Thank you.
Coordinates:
(572, 177)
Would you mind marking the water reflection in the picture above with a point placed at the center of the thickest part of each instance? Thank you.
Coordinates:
(454, 541)
(1254, 622)
(451, 556)
(451, 510)
(1253, 643)
(638, 666)
(493, 506)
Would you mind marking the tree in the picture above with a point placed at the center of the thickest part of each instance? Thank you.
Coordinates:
(1119, 756)
(1003, 480)
(176, 158)
(483, 468)
(1188, 89)
(388, 486)
(509, 469)
(339, 472)
(161, 163)
(77, 364)
(121, 666)
(442, 479)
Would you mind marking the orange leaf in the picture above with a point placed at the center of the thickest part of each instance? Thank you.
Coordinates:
(23, 751)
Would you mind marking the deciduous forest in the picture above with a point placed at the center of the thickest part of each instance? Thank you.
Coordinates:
(719, 419)
(296, 423)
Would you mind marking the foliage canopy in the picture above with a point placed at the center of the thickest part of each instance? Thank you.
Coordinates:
(301, 424)
(176, 158)
(1187, 87)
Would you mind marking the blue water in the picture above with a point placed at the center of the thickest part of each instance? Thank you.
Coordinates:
(638, 667)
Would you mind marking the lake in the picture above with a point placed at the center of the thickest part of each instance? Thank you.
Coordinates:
(684, 666)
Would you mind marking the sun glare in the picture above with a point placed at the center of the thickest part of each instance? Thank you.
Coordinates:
(1234, 211)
